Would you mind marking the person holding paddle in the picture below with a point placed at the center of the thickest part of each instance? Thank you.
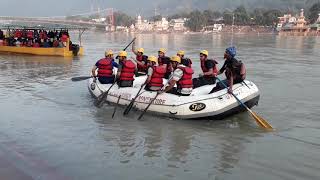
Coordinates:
(182, 76)
(126, 70)
(235, 71)
(141, 60)
(105, 69)
(155, 74)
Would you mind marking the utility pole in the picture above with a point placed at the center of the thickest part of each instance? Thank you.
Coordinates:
(232, 29)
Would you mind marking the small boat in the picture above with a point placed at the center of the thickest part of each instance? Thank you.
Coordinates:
(67, 50)
(199, 105)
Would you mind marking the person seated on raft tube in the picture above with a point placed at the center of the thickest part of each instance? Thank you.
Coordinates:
(209, 71)
(105, 69)
(235, 71)
(182, 76)
(155, 74)
(141, 60)
(184, 61)
(163, 60)
(126, 70)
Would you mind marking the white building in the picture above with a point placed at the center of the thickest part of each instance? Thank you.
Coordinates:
(178, 24)
(143, 25)
(162, 25)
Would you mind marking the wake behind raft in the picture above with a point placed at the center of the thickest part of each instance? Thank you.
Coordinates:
(199, 105)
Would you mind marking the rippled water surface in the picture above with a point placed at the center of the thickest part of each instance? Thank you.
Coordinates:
(49, 127)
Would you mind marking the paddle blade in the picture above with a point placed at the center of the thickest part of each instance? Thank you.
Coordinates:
(99, 100)
(80, 78)
(260, 121)
(127, 110)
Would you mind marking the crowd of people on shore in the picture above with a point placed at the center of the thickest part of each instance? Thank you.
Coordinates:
(177, 69)
(34, 38)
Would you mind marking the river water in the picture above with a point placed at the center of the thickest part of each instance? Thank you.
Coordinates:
(49, 128)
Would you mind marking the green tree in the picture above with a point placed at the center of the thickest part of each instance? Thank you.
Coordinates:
(258, 17)
(227, 17)
(241, 16)
(314, 12)
(122, 19)
(156, 18)
(196, 21)
(271, 17)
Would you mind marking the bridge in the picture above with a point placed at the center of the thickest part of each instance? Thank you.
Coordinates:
(66, 20)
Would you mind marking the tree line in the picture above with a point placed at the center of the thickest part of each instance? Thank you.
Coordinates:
(240, 16)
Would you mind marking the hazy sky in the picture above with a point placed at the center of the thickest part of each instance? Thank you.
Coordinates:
(133, 7)
(68, 7)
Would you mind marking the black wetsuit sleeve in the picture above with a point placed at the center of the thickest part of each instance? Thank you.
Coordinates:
(223, 67)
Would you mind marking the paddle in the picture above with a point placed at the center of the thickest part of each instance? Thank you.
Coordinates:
(259, 120)
(80, 78)
(103, 96)
(145, 110)
(115, 108)
(129, 107)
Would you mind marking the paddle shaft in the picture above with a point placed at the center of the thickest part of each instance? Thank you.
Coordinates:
(128, 108)
(80, 78)
(145, 110)
(129, 44)
(115, 108)
(259, 120)
(103, 96)
(233, 94)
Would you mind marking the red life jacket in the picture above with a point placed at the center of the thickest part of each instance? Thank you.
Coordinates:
(30, 34)
(205, 69)
(18, 34)
(36, 44)
(127, 71)
(158, 74)
(142, 59)
(186, 79)
(105, 68)
(64, 38)
(41, 35)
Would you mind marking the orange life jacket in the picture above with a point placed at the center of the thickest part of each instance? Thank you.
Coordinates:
(157, 75)
(186, 79)
(127, 71)
(105, 67)
(205, 69)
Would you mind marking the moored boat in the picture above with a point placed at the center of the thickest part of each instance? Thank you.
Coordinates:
(199, 104)
(27, 40)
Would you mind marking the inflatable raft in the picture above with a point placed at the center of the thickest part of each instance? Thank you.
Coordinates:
(199, 104)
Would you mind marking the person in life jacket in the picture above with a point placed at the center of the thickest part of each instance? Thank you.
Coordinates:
(235, 70)
(105, 68)
(182, 76)
(126, 70)
(163, 60)
(155, 75)
(141, 60)
(184, 61)
(209, 71)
